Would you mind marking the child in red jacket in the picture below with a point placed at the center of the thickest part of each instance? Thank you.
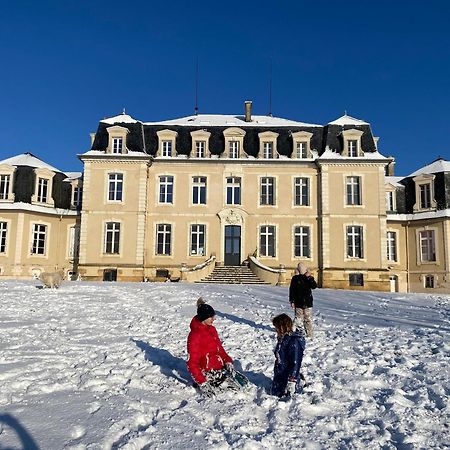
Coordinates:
(209, 364)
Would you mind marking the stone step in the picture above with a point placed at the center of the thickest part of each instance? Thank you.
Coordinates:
(232, 275)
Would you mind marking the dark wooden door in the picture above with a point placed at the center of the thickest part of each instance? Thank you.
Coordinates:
(232, 245)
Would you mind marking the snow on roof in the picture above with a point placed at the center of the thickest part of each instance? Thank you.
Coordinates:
(330, 154)
(440, 165)
(395, 181)
(121, 118)
(72, 176)
(232, 121)
(347, 120)
(28, 159)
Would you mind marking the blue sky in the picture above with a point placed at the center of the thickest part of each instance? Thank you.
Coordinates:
(66, 65)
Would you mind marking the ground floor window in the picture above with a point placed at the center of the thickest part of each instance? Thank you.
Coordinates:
(356, 279)
(39, 239)
(3, 236)
(112, 238)
(267, 241)
(163, 239)
(355, 241)
(198, 240)
(429, 281)
(302, 242)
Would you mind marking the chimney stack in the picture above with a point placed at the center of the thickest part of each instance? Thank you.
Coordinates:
(248, 111)
(390, 167)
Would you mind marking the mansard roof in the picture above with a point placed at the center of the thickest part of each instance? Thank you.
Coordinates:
(29, 160)
(437, 166)
(143, 135)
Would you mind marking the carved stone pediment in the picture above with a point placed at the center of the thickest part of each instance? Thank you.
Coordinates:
(232, 216)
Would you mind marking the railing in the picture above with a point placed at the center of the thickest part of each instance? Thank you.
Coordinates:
(198, 272)
(276, 277)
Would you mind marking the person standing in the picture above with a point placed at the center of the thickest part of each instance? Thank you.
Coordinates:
(301, 298)
(288, 357)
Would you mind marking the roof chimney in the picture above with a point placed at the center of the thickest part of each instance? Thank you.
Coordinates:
(390, 166)
(248, 111)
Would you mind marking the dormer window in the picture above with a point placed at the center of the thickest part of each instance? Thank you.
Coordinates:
(200, 144)
(352, 143)
(6, 183)
(301, 145)
(166, 143)
(234, 142)
(117, 140)
(268, 144)
(424, 193)
(77, 193)
(43, 187)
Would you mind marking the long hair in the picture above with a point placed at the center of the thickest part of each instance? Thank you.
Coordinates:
(283, 324)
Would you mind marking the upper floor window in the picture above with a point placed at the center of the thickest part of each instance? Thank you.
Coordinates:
(200, 147)
(166, 189)
(39, 238)
(233, 149)
(301, 191)
(267, 144)
(166, 148)
(425, 200)
(233, 193)
(198, 240)
(5, 181)
(199, 190)
(353, 186)
(352, 143)
(112, 238)
(352, 148)
(268, 150)
(427, 246)
(267, 191)
(117, 145)
(302, 150)
(115, 187)
(392, 246)
(200, 143)
(3, 236)
(425, 196)
(390, 200)
(301, 141)
(166, 143)
(163, 239)
(354, 241)
(76, 196)
(42, 190)
(302, 242)
(74, 241)
(267, 241)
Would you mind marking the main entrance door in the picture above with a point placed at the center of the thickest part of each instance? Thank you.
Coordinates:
(232, 245)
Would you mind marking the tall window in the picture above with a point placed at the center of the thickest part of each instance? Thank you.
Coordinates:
(200, 147)
(302, 150)
(163, 238)
(390, 201)
(233, 149)
(4, 186)
(199, 190)
(166, 148)
(76, 200)
(268, 150)
(392, 246)
(354, 241)
(115, 189)
(302, 242)
(427, 246)
(198, 240)
(166, 189)
(352, 148)
(3, 236)
(42, 193)
(39, 239)
(267, 191)
(353, 190)
(74, 241)
(425, 196)
(117, 145)
(301, 191)
(112, 238)
(233, 191)
(267, 240)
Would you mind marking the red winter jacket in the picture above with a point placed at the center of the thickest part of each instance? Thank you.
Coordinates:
(205, 350)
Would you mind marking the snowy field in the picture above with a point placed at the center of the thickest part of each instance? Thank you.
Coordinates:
(102, 366)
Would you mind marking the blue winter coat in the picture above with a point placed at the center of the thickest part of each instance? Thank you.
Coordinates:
(288, 360)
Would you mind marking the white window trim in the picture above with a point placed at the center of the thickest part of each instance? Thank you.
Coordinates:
(48, 175)
(301, 136)
(114, 172)
(268, 136)
(232, 175)
(311, 247)
(200, 135)
(266, 224)
(77, 254)
(190, 224)
(309, 178)
(157, 190)
(352, 135)
(419, 249)
(76, 184)
(391, 189)
(361, 190)
(8, 236)
(117, 131)
(364, 241)
(419, 181)
(161, 221)
(275, 191)
(191, 190)
(237, 135)
(47, 239)
(166, 135)
(5, 169)
(103, 254)
(392, 261)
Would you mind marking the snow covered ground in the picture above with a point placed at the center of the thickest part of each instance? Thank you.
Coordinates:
(102, 366)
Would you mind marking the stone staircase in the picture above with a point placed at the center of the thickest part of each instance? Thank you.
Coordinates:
(232, 275)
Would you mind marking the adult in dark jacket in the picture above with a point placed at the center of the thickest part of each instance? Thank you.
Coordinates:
(209, 364)
(288, 357)
(301, 298)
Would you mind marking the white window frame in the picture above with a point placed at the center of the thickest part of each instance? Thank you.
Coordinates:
(197, 236)
(302, 233)
(42, 194)
(39, 238)
(266, 185)
(421, 181)
(200, 138)
(302, 184)
(112, 238)
(266, 138)
(391, 246)
(165, 231)
(427, 248)
(199, 187)
(117, 140)
(234, 149)
(390, 201)
(6, 188)
(117, 145)
(77, 194)
(4, 225)
(353, 190)
(351, 150)
(115, 187)
(301, 140)
(233, 185)
(165, 136)
(166, 189)
(166, 148)
(73, 250)
(234, 137)
(352, 232)
(43, 174)
(265, 235)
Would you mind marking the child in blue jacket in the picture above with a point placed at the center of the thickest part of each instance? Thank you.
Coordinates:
(288, 357)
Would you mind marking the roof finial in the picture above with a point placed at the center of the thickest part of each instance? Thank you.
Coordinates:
(196, 89)
(124, 112)
(345, 112)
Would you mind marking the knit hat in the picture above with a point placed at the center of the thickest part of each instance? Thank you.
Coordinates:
(204, 311)
(302, 269)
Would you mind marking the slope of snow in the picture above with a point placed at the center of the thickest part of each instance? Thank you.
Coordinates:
(440, 165)
(102, 366)
(28, 159)
(347, 120)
